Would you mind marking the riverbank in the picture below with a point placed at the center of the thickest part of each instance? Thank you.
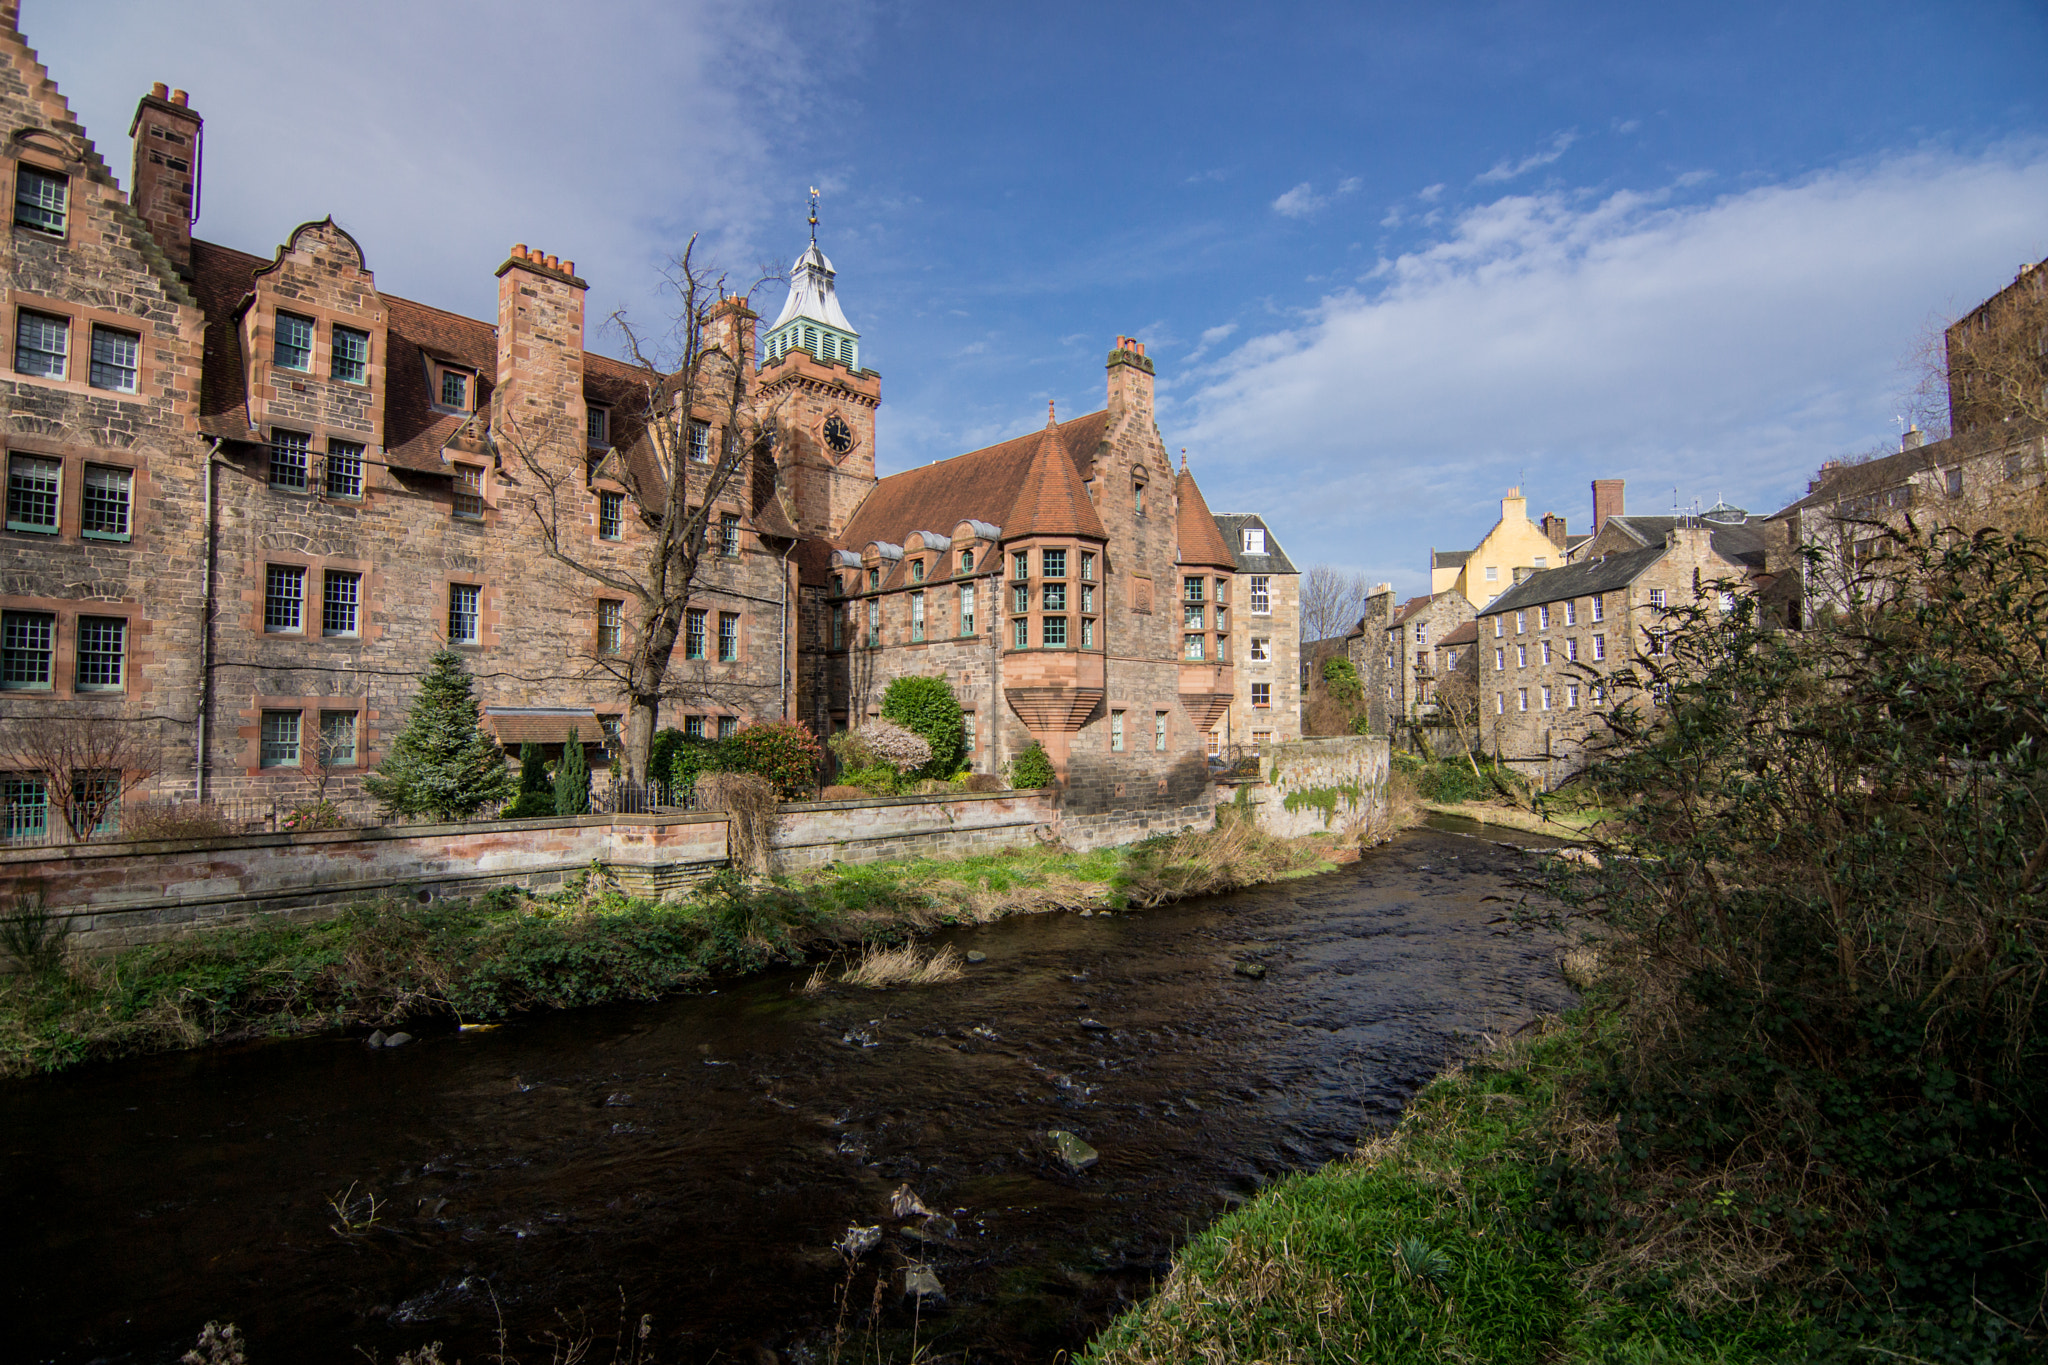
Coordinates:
(392, 963)
(1557, 823)
(1437, 1243)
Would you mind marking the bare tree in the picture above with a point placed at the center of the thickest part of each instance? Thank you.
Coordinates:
(1457, 702)
(87, 763)
(693, 388)
(1990, 367)
(1330, 601)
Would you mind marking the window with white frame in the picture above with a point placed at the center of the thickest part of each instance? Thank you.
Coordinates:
(729, 534)
(1116, 732)
(1546, 698)
(115, 359)
(102, 653)
(28, 640)
(284, 598)
(469, 492)
(1262, 694)
(292, 346)
(109, 496)
(1571, 650)
(338, 739)
(728, 636)
(700, 442)
(1656, 597)
(1571, 696)
(1499, 627)
(1262, 595)
(42, 344)
(1254, 541)
(34, 493)
(351, 361)
(1522, 698)
(1571, 612)
(344, 469)
(611, 514)
(40, 199)
(1599, 647)
(464, 614)
(967, 609)
(1543, 618)
(1599, 608)
(1521, 656)
(340, 603)
(290, 453)
(280, 740)
(1422, 632)
(917, 618)
(1159, 731)
(693, 633)
(1500, 703)
(1262, 650)
(970, 737)
(1546, 652)
(1500, 659)
(1493, 573)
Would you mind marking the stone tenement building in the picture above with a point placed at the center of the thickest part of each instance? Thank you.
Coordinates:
(250, 495)
(1266, 709)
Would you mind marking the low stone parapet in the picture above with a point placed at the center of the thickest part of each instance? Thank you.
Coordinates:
(813, 833)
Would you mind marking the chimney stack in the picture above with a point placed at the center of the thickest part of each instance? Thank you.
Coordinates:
(1553, 526)
(164, 185)
(539, 396)
(1607, 502)
(1130, 381)
(1912, 438)
(729, 327)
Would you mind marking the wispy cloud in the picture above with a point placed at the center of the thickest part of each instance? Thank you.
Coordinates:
(1725, 346)
(1302, 200)
(1504, 170)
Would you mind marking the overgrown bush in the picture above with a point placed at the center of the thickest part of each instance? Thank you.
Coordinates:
(33, 934)
(314, 815)
(1822, 901)
(984, 782)
(879, 744)
(785, 753)
(689, 759)
(173, 820)
(927, 708)
(750, 801)
(1031, 768)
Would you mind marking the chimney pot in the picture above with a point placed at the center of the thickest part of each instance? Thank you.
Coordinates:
(178, 97)
(519, 251)
(568, 267)
(160, 90)
(554, 264)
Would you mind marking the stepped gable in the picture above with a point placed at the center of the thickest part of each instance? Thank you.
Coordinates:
(1195, 527)
(1052, 501)
(981, 485)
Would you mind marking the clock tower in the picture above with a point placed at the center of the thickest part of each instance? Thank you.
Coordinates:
(822, 400)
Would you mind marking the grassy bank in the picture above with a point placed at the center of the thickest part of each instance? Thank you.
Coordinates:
(393, 962)
(1436, 1244)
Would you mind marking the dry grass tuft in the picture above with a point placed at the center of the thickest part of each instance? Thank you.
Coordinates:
(909, 965)
(1206, 861)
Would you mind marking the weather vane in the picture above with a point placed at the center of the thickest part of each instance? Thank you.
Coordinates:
(814, 213)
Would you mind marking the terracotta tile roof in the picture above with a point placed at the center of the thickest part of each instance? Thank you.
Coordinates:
(1051, 501)
(513, 726)
(1409, 608)
(1194, 527)
(980, 485)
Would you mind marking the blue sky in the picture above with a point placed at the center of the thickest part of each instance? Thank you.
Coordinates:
(1390, 259)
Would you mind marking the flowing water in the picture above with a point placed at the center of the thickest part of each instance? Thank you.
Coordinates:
(697, 1159)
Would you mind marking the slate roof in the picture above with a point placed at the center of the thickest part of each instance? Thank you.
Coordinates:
(1448, 559)
(980, 485)
(1604, 573)
(1194, 527)
(1231, 526)
(1742, 542)
(1463, 635)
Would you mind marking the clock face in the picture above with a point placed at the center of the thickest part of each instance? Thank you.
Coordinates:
(838, 435)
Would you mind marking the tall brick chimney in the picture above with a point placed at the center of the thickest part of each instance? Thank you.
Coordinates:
(164, 186)
(1553, 526)
(1130, 381)
(539, 398)
(729, 327)
(1606, 502)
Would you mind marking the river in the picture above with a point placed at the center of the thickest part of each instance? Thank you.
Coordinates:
(696, 1160)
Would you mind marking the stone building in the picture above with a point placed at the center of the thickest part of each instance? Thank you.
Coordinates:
(1266, 707)
(1395, 651)
(1545, 646)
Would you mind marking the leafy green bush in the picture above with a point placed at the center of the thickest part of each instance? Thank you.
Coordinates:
(688, 759)
(1340, 679)
(785, 752)
(530, 806)
(1032, 768)
(878, 779)
(572, 778)
(928, 708)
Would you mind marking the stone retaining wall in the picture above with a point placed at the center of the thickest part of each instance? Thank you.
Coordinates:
(814, 833)
(1317, 785)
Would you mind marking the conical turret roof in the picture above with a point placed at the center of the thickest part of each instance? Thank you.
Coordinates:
(1052, 500)
(1195, 528)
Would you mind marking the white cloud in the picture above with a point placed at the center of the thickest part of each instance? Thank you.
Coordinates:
(1429, 194)
(1298, 202)
(1505, 170)
(1723, 347)
(1211, 338)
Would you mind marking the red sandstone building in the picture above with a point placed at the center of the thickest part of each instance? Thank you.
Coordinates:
(250, 494)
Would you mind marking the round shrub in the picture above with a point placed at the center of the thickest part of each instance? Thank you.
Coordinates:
(928, 708)
(1032, 768)
(784, 752)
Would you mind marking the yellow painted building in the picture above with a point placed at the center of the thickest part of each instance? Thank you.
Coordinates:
(1515, 548)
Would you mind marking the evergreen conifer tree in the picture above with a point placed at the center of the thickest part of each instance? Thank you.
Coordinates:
(536, 788)
(572, 779)
(441, 764)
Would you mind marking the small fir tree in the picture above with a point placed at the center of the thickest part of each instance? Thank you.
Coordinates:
(441, 764)
(572, 779)
(536, 788)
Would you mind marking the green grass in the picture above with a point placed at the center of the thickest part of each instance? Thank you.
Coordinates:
(1428, 1246)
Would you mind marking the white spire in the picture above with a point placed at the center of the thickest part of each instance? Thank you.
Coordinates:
(811, 293)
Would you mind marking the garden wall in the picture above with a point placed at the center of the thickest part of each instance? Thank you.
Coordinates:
(117, 894)
(813, 833)
(1316, 785)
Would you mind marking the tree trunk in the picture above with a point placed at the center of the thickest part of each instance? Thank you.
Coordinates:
(641, 712)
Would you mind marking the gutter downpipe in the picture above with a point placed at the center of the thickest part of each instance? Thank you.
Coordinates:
(785, 629)
(205, 636)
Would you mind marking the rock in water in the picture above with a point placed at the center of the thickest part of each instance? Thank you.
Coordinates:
(976, 955)
(859, 1241)
(376, 1039)
(921, 1284)
(1094, 1026)
(905, 1204)
(1254, 970)
(398, 1040)
(1074, 1154)
(939, 1225)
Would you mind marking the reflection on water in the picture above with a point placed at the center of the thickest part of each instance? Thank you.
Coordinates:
(698, 1159)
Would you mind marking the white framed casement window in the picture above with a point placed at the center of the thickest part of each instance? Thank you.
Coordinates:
(40, 199)
(1546, 652)
(341, 603)
(1262, 650)
(1521, 626)
(1422, 632)
(42, 344)
(1543, 618)
(1571, 612)
(103, 512)
(464, 613)
(611, 625)
(1159, 731)
(338, 739)
(1254, 541)
(611, 515)
(1262, 595)
(280, 740)
(1546, 698)
(700, 442)
(344, 469)
(1522, 698)
(292, 345)
(967, 609)
(290, 455)
(1116, 732)
(1262, 694)
(351, 361)
(1571, 696)
(1599, 647)
(1500, 659)
(1499, 627)
(1571, 650)
(284, 599)
(116, 359)
(917, 618)
(102, 653)
(693, 633)
(35, 488)
(1656, 597)
(1493, 573)
(1521, 656)
(1599, 609)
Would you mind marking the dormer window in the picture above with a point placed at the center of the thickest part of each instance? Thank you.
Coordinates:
(598, 425)
(294, 348)
(917, 571)
(39, 200)
(967, 561)
(1254, 541)
(455, 390)
(874, 580)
